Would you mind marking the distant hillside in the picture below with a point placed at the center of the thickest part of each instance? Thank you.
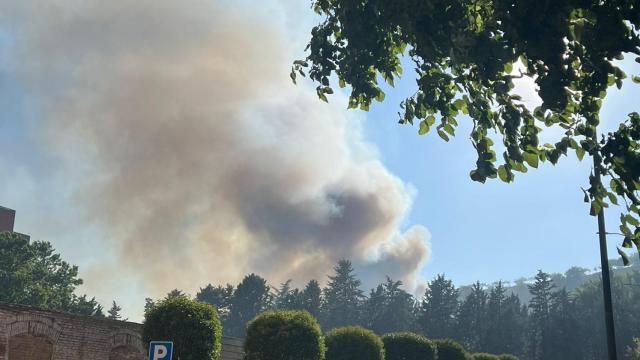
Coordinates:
(571, 279)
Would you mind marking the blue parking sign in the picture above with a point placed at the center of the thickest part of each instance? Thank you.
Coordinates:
(160, 350)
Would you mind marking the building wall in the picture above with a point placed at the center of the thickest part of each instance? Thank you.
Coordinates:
(7, 218)
(28, 333)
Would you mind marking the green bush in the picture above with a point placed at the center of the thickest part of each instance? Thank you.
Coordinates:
(485, 356)
(193, 327)
(507, 357)
(450, 350)
(284, 335)
(353, 343)
(408, 346)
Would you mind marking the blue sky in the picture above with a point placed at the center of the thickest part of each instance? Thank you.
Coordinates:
(52, 176)
(496, 231)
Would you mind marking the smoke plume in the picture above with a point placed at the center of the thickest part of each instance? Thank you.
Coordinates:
(200, 161)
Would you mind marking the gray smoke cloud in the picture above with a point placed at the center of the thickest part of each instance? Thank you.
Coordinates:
(185, 141)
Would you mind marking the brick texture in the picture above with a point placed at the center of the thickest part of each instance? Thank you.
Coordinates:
(29, 333)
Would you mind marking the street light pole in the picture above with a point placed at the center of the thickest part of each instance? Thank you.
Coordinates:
(606, 276)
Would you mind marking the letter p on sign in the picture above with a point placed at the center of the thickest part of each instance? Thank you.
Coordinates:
(160, 350)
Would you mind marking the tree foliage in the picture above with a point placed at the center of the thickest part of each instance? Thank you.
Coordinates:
(32, 273)
(285, 335)
(472, 319)
(250, 298)
(353, 343)
(193, 327)
(438, 309)
(485, 356)
(450, 350)
(634, 350)
(539, 319)
(408, 346)
(342, 297)
(466, 55)
(510, 320)
(389, 308)
(312, 298)
(114, 312)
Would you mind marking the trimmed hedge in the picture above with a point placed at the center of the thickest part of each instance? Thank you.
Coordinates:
(193, 327)
(507, 357)
(284, 335)
(353, 343)
(485, 356)
(450, 350)
(408, 346)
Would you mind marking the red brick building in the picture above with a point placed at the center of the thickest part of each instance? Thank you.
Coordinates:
(29, 333)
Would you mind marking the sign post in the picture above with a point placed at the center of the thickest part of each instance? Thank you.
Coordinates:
(160, 350)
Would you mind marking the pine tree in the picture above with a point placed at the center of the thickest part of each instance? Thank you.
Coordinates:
(287, 298)
(175, 293)
(342, 298)
(493, 337)
(311, 298)
(563, 338)
(148, 304)
(438, 309)
(388, 308)
(218, 296)
(251, 297)
(472, 319)
(538, 333)
(513, 325)
(114, 312)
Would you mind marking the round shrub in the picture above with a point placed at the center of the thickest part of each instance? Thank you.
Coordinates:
(193, 327)
(284, 335)
(450, 350)
(353, 343)
(408, 346)
(507, 357)
(485, 356)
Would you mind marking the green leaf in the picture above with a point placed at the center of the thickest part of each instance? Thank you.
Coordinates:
(624, 256)
(627, 243)
(449, 129)
(293, 76)
(380, 97)
(461, 105)
(341, 83)
(424, 127)
(502, 173)
(508, 68)
(635, 79)
(631, 220)
(580, 153)
(443, 135)
(430, 120)
(531, 159)
(596, 207)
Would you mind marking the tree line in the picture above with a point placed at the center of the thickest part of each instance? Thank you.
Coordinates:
(561, 317)
(32, 273)
(555, 323)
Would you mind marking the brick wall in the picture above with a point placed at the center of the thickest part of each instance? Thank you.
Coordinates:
(28, 333)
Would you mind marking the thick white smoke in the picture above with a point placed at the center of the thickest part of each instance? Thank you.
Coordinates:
(188, 144)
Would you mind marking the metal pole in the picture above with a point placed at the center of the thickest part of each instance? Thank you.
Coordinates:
(606, 279)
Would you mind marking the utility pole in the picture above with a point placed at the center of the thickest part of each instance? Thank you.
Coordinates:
(606, 276)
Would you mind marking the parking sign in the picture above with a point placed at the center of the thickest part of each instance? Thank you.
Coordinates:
(160, 350)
